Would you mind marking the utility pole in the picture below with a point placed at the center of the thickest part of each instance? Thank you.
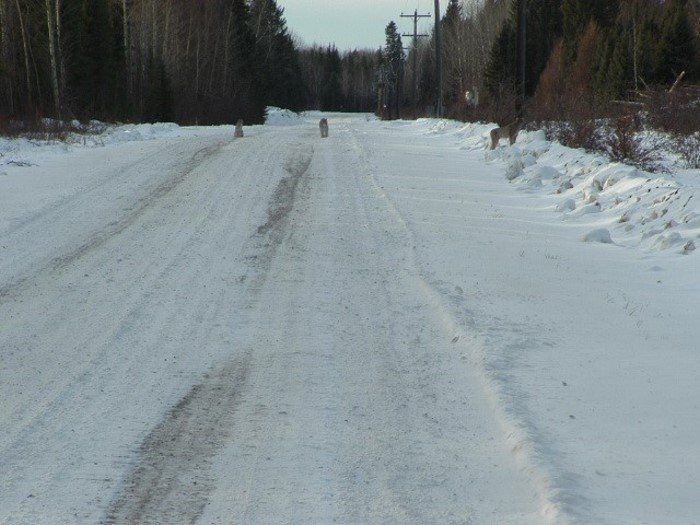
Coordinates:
(522, 56)
(415, 37)
(438, 58)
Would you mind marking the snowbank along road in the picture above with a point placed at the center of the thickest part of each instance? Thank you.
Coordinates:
(370, 328)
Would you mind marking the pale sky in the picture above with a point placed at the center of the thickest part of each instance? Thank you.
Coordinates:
(352, 23)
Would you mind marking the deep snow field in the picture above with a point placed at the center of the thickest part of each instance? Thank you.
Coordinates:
(564, 289)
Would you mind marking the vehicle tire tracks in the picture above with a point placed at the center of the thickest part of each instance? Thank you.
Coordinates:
(263, 245)
(113, 229)
(171, 480)
(170, 483)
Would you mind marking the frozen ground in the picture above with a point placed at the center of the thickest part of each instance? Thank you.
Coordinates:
(380, 327)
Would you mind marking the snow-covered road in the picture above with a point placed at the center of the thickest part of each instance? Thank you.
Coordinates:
(373, 328)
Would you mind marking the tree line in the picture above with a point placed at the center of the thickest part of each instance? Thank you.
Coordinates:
(409, 81)
(596, 72)
(338, 81)
(584, 54)
(580, 53)
(215, 61)
(193, 62)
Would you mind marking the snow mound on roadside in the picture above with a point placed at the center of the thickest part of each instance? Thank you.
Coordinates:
(282, 117)
(22, 151)
(567, 205)
(639, 209)
(657, 212)
(438, 127)
(139, 132)
(601, 235)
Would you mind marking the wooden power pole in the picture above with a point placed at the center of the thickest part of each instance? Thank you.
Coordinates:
(415, 37)
(438, 59)
(522, 57)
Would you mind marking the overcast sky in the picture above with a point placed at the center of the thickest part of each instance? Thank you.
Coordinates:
(351, 23)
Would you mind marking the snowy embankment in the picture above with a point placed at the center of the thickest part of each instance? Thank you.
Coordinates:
(619, 204)
(24, 152)
(36, 174)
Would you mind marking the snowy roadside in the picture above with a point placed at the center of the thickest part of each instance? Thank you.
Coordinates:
(37, 175)
(619, 204)
(24, 152)
(588, 350)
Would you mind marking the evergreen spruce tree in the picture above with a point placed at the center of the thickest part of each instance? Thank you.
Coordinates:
(276, 55)
(349, 63)
(243, 85)
(394, 64)
(677, 43)
(602, 63)
(93, 70)
(95, 58)
(453, 12)
(544, 26)
(159, 97)
(117, 98)
(452, 27)
(618, 77)
(332, 91)
(500, 69)
(648, 50)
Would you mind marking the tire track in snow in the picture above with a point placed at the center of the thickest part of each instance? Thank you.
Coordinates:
(116, 227)
(143, 205)
(554, 505)
(266, 240)
(70, 200)
(171, 481)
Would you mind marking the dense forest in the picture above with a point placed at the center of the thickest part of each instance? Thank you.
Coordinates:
(579, 53)
(338, 81)
(190, 62)
(220, 60)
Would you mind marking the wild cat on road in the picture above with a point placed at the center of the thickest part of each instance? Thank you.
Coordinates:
(323, 126)
(239, 129)
(510, 131)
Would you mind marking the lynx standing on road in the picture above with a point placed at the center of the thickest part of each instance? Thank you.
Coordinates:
(323, 125)
(239, 129)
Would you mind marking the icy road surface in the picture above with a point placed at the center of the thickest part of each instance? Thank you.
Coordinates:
(373, 328)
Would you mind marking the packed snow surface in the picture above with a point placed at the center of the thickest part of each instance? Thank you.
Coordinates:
(392, 325)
